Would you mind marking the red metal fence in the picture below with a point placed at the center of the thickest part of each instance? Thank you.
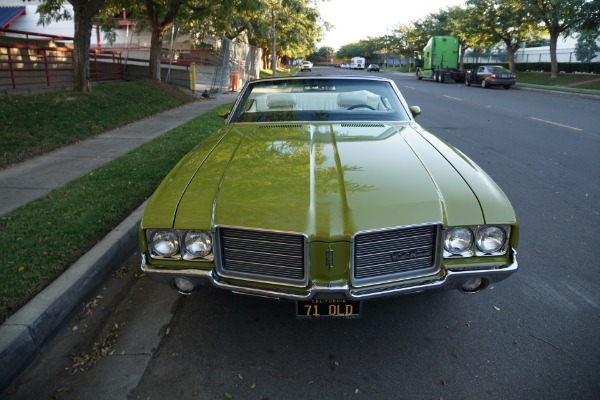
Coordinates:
(26, 65)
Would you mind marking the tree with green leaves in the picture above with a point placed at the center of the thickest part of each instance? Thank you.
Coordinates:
(84, 13)
(590, 19)
(506, 21)
(463, 22)
(296, 21)
(404, 40)
(326, 53)
(161, 17)
(347, 51)
(587, 46)
(560, 17)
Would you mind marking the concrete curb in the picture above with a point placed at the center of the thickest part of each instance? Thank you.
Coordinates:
(24, 334)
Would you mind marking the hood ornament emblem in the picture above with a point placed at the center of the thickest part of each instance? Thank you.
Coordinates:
(329, 258)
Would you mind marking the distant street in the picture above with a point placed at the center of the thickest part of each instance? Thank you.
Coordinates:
(533, 336)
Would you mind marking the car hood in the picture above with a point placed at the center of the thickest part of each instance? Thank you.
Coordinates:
(328, 181)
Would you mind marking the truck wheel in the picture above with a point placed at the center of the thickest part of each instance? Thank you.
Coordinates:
(442, 77)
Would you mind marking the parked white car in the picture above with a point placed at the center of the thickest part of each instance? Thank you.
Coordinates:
(306, 66)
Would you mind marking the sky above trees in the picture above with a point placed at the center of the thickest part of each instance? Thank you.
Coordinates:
(354, 20)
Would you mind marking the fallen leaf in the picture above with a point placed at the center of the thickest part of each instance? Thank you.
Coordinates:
(228, 396)
(21, 269)
(100, 349)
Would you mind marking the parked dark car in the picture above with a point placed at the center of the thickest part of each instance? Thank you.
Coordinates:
(373, 67)
(491, 75)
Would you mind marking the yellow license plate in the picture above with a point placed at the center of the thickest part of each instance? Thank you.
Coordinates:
(328, 308)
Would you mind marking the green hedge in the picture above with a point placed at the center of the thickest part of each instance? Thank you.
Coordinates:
(589, 68)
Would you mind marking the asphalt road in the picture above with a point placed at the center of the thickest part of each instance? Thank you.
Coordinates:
(533, 336)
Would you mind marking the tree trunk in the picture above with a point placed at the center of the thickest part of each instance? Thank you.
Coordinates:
(84, 13)
(461, 62)
(553, 62)
(161, 16)
(155, 53)
(510, 52)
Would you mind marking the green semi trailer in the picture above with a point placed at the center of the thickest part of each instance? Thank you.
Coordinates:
(439, 60)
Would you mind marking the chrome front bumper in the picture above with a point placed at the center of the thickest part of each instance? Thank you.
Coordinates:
(446, 279)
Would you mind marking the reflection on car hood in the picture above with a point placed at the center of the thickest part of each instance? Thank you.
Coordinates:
(327, 180)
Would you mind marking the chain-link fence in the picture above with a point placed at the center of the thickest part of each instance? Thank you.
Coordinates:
(236, 64)
(525, 55)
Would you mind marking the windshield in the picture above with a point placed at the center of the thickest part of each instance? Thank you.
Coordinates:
(499, 69)
(319, 100)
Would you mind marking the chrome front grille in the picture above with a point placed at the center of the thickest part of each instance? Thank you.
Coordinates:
(381, 256)
(262, 256)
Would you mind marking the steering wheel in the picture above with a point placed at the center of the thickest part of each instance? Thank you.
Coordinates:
(361, 106)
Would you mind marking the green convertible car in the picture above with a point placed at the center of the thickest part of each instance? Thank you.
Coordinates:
(326, 192)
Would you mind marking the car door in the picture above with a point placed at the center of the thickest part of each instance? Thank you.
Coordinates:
(481, 74)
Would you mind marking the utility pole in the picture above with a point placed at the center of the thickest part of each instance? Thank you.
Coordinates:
(273, 4)
(273, 49)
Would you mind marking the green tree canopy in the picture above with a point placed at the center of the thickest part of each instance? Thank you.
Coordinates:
(587, 46)
(560, 17)
(506, 21)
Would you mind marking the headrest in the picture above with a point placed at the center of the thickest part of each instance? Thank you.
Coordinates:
(351, 99)
(281, 100)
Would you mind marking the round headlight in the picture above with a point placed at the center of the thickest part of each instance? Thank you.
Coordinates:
(490, 239)
(197, 244)
(458, 240)
(165, 243)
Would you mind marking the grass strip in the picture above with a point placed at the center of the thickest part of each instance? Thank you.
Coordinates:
(43, 238)
(574, 81)
(577, 90)
(35, 124)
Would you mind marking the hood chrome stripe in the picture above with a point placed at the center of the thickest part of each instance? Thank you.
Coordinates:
(218, 191)
(312, 211)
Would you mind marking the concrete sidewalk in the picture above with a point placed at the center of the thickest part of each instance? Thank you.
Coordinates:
(24, 335)
(32, 179)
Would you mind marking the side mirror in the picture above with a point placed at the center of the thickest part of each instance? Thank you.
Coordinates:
(223, 113)
(415, 110)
